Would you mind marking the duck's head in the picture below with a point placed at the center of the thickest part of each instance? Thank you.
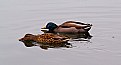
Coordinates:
(27, 37)
(49, 27)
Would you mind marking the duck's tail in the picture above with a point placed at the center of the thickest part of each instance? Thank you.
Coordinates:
(88, 27)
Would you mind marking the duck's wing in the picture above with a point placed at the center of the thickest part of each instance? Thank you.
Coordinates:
(76, 22)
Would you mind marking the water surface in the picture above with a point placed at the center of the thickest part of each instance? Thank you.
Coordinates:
(28, 16)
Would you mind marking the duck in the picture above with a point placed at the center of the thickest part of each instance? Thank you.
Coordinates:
(46, 38)
(67, 27)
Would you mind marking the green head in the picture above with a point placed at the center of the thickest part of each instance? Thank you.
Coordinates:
(51, 26)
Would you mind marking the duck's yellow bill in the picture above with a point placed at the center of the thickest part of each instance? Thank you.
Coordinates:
(44, 29)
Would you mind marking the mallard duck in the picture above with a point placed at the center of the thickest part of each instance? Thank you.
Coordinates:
(45, 41)
(47, 38)
(67, 27)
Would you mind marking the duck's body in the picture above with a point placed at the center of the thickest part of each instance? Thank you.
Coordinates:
(46, 38)
(45, 41)
(68, 27)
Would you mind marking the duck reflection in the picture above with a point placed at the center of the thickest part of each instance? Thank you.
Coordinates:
(46, 46)
(85, 35)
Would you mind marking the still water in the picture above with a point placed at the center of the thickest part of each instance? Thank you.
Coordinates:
(19, 17)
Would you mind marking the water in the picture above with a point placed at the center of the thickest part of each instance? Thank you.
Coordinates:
(28, 16)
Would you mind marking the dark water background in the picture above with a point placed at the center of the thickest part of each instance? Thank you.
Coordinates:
(18, 17)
